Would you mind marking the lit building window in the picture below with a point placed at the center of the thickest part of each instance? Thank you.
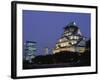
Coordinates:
(69, 33)
(76, 37)
(73, 42)
(71, 37)
(63, 44)
(66, 34)
(62, 39)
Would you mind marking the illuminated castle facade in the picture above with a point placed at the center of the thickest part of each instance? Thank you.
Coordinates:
(71, 40)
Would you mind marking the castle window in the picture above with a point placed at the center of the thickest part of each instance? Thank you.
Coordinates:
(63, 44)
(73, 42)
(76, 37)
(62, 39)
(71, 37)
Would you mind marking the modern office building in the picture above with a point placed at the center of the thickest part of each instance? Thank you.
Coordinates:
(29, 50)
(71, 40)
(46, 51)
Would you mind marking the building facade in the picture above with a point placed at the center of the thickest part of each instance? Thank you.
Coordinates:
(29, 50)
(71, 40)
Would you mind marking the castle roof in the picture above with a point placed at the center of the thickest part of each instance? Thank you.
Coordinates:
(71, 25)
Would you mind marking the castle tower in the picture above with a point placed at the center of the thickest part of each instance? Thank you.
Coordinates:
(71, 40)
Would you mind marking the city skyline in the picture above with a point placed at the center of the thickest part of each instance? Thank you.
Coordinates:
(46, 27)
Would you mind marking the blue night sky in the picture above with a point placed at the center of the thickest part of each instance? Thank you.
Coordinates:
(46, 27)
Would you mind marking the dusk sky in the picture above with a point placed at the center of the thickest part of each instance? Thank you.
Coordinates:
(45, 28)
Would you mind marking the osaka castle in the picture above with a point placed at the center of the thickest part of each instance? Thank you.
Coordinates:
(71, 40)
